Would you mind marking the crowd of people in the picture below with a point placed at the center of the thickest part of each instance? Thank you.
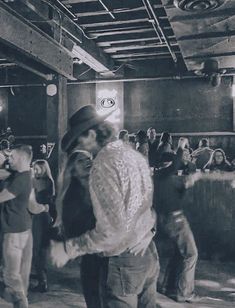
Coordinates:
(115, 193)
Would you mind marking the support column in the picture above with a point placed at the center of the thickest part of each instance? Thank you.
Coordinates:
(57, 111)
(233, 95)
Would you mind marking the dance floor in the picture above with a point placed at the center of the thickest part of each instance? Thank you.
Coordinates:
(215, 282)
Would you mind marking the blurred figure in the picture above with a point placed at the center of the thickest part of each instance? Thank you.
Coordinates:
(123, 135)
(43, 151)
(132, 141)
(77, 218)
(153, 145)
(165, 146)
(169, 190)
(218, 162)
(187, 166)
(142, 143)
(44, 188)
(16, 226)
(121, 191)
(202, 154)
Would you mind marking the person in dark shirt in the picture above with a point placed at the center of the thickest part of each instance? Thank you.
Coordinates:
(16, 225)
(165, 145)
(77, 218)
(168, 193)
(153, 144)
(44, 189)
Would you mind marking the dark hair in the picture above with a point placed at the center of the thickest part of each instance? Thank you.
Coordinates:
(122, 134)
(165, 137)
(204, 142)
(142, 136)
(132, 138)
(105, 133)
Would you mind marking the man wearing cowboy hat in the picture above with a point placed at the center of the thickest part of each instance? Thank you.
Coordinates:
(121, 193)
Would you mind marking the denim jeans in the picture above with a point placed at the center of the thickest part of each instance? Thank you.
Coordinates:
(180, 271)
(41, 224)
(90, 278)
(17, 256)
(130, 281)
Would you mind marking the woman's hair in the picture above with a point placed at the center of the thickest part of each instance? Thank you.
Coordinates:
(43, 164)
(64, 180)
(141, 136)
(122, 134)
(211, 161)
(165, 138)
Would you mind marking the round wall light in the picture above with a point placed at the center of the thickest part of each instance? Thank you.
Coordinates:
(51, 89)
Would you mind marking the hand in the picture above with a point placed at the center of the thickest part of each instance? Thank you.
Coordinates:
(142, 246)
(233, 184)
(192, 178)
(57, 254)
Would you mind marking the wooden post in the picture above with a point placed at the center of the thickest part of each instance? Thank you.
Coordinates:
(57, 119)
(233, 95)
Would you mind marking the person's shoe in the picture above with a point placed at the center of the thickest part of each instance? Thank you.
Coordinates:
(192, 299)
(42, 287)
(22, 303)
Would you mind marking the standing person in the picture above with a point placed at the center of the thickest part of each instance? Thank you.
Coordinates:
(121, 193)
(168, 194)
(77, 217)
(142, 143)
(16, 227)
(153, 144)
(123, 135)
(202, 154)
(165, 146)
(44, 188)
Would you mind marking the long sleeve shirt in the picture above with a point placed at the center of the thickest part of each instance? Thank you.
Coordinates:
(121, 192)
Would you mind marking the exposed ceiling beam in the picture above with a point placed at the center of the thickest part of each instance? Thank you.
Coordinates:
(128, 31)
(84, 13)
(19, 34)
(140, 54)
(136, 46)
(77, 1)
(208, 35)
(128, 41)
(111, 23)
(89, 52)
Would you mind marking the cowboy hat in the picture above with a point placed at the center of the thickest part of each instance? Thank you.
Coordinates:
(83, 119)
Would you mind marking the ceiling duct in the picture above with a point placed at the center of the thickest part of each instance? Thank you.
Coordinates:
(198, 5)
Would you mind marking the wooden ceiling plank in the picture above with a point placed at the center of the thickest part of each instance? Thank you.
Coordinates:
(111, 23)
(77, 1)
(132, 55)
(96, 35)
(135, 47)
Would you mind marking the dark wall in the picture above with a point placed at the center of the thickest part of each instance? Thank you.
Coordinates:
(189, 105)
(27, 111)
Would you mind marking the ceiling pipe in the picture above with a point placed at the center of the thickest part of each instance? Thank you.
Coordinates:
(135, 79)
(149, 5)
(106, 9)
(153, 22)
